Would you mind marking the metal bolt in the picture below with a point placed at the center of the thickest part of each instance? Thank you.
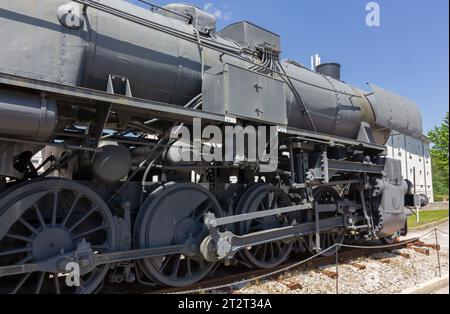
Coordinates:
(84, 261)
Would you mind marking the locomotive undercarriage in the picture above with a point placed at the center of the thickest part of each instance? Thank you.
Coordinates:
(173, 224)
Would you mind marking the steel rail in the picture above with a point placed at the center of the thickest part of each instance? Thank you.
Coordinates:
(229, 281)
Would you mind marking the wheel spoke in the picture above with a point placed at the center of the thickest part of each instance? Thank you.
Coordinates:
(39, 283)
(274, 204)
(176, 267)
(72, 208)
(264, 204)
(21, 282)
(272, 252)
(19, 237)
(55, 208)
(30, 227)
(25, 260)
(39, 216)
(264, 252)
(79, 222)
(188, 265)
(166, 262)
(56, 281)
(279, 246)
(16, 251)
(104, 226)
(258, 248)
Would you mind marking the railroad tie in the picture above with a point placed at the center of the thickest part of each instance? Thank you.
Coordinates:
(435, 247)
(424, 251)
(328, 273)
(416, 243)
(358, 266)
(293, 285)
(404, 255)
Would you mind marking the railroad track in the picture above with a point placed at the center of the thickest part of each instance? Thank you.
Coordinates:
(227, 277)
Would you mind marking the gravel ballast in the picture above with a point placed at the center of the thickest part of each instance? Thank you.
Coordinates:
(384, 273)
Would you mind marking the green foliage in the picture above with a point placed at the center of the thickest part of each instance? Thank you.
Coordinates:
(427, 217)
(439, 155)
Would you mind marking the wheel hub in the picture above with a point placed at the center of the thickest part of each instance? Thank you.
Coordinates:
(187, 228)
(51, 242)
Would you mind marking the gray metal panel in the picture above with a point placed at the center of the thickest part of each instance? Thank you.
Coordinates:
(333, 105)
(231, 90)
(396, 112)
(249, 35)
(37, 45)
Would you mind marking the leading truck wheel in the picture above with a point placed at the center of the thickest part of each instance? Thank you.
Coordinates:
(41, 219)
(174, 215)
(263, 197)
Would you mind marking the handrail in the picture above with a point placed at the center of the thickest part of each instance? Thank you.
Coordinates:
(152, 5)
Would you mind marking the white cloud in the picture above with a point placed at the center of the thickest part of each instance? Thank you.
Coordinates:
(217, 13)
(208, 6)
(221, 14)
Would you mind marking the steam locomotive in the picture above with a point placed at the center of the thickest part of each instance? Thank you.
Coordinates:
(97, 88)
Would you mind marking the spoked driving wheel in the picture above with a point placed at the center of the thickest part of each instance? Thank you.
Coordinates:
(263, 197)
(41, 220)
(174, 215)
(324, 196)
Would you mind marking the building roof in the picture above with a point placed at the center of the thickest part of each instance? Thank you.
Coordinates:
(426, 139)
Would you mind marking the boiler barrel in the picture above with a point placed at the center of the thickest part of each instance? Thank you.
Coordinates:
(166, 65)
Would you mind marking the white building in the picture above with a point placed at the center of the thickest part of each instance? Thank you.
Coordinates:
(416, 161)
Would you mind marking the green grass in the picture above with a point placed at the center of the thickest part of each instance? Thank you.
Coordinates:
(427, 217)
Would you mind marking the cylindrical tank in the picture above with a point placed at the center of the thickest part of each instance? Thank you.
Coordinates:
(112, 163)
(27, 116)
(330, 69)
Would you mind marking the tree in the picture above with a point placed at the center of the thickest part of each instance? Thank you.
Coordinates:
(439, 156)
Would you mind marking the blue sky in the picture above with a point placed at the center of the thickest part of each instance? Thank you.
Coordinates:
(408, 54)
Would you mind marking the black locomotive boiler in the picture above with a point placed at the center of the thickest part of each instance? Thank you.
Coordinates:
(96, 87)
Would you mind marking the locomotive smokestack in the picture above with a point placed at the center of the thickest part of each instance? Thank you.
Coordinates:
(330, 69)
